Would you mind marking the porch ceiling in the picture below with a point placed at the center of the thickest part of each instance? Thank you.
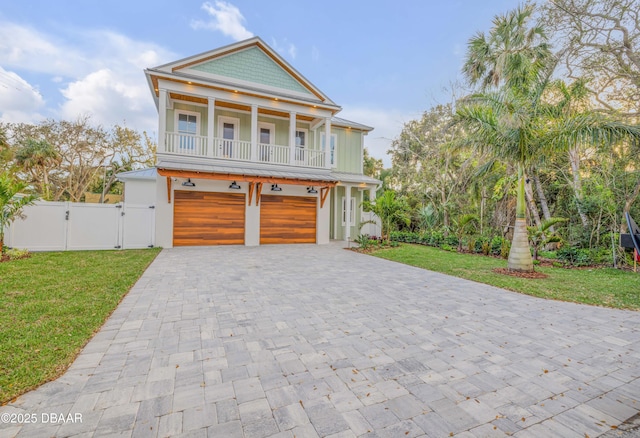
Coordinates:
(237, 106)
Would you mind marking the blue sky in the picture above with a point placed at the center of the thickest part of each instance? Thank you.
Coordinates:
(384, 62)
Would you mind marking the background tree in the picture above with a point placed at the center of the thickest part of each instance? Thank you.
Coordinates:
(37, 157)
(86, 154)
(371, 166)
(426, 166)
(599, 40)
(6, 152)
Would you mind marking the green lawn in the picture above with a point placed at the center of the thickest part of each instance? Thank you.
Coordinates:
(598, 286)
(50, 306)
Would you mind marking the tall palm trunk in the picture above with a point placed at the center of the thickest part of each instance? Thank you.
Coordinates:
(519, 254)
(574, 159)
(46, 192)
(541, 196)
(531, 203)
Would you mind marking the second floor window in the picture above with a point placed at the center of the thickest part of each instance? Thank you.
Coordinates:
(187, 127)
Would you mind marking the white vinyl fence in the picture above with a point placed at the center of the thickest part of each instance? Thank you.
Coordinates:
(369, 228)
(61, 226)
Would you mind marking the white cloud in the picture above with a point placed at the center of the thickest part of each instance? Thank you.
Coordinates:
(110, 98)
(285, 48)
(26, 48)
(387, 124)
(96, 72)
(226, 18)
(19, 101)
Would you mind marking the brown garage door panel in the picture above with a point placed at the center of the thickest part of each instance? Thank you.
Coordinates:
(207, 218)
(287, 219)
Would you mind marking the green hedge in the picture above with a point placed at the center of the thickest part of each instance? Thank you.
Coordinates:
(496, 245)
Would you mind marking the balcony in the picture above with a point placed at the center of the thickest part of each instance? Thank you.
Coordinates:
(238, 150)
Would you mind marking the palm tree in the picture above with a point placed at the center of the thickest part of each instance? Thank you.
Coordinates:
(510, 54)
(390, 210)
(38, 156)
(544, 234)
(11, 202)
(512, 119)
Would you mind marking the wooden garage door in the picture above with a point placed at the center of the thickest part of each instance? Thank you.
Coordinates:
(206, 218)
(287, 219)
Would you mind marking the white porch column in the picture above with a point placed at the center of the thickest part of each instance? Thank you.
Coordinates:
(372, 193)
(210, 127)
(327, 142)
(292, 137)
(162, 124)
(347, 212)
(254, 132)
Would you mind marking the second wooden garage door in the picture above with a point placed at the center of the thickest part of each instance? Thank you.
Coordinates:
(207, 218)
(287, 219)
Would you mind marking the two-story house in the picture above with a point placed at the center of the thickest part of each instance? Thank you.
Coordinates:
(250, 152)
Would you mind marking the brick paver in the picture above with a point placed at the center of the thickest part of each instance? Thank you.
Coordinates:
(311, 341)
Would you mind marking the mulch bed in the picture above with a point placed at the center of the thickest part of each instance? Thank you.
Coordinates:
(7, 258)
(505, 271)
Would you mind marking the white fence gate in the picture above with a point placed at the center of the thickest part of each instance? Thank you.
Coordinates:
(61, 226)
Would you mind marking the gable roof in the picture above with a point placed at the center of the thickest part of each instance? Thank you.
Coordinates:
(250, 64)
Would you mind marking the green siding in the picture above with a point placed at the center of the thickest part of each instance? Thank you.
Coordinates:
(252, 65)
(348, 145)
(355, 228)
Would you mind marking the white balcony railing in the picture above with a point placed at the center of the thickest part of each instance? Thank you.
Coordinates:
(232, 149)
(186, 144)
(271, 153)
(196, 145)
(309, 157)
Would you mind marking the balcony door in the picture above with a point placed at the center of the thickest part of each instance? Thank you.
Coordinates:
(301, 143)
(228, 132)
(266, 141)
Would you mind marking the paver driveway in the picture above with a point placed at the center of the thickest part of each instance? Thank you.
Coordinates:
(310, 341)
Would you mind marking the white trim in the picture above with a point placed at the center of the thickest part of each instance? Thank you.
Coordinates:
(226, 119)
(211, 123)
(306, 137)
(336, 212)
(254, 132)
(352, 215)
(272, 131)
(361, 153)
(176, 115)
(333, 164)
(162, 119)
